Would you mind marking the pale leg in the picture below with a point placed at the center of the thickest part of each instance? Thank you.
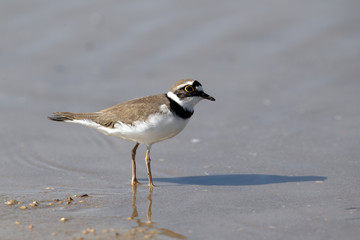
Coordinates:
(148, 160)
(133, 164)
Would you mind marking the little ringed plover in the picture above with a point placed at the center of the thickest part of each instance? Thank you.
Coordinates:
(145, 120)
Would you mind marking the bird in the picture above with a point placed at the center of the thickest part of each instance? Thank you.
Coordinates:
(145, 120)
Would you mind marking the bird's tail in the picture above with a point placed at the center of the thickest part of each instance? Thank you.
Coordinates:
(68, 116)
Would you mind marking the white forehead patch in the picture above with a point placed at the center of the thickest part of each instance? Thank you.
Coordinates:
(200, 88)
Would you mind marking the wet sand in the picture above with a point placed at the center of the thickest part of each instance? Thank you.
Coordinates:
(275, 157)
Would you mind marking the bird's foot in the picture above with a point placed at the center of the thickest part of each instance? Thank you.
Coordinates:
(134, 182)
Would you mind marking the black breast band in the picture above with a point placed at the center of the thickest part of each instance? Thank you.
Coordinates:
(179, 110)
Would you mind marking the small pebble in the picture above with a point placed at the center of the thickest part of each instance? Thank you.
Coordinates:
(23, 207)
(11, 202)
(69, 200)
(195, 140)
(34, 204)
(89, 230)
(63, 219)
(253, 154)
(31, 226)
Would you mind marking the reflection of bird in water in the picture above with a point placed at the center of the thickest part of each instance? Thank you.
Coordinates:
(147, 229)
(135, 214)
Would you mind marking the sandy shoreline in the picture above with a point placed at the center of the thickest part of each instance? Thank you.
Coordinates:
(275, 157)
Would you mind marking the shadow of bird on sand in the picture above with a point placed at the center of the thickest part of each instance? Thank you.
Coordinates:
(239, 179)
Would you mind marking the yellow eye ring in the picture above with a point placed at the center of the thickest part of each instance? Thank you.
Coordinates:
(189, 89)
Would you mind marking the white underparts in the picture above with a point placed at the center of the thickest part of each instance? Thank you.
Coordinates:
(155, 128)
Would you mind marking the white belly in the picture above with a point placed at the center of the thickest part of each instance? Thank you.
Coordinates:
(156, 128)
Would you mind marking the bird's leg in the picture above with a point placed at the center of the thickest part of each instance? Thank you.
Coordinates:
(148, 160)
(133, 164)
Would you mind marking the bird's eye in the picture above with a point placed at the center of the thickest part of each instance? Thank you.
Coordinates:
(189, 89)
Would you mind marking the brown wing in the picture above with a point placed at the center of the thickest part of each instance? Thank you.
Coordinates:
(128, 112)
(134, 110)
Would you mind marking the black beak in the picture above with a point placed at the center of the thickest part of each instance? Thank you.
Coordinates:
(207, 96)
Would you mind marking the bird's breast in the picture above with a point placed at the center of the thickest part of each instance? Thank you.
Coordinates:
(157, 127)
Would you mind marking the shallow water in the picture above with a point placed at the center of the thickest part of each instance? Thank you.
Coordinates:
(274, 157)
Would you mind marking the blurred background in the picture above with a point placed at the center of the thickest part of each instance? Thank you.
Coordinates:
(285, 75)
